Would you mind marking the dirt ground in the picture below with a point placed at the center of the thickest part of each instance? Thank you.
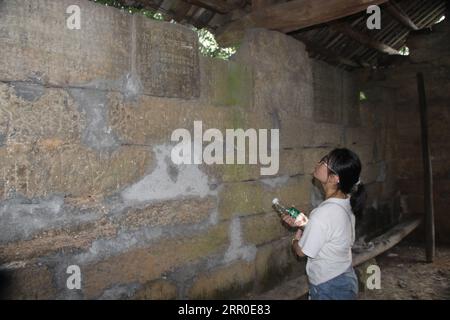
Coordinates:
(406, 276)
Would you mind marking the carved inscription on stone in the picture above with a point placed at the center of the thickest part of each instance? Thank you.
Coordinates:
(167, 60)
(36, 45)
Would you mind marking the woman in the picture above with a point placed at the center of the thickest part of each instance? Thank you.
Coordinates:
(330, 232)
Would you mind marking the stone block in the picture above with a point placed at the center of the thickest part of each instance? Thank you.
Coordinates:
(228, 282)
(290, 164)
(28, 282)
(52, 166)
(241, 199)
(166, 59)
(350, 103)
(170, 212)
(311, 157)
(263, 228)
(275, 263)
(325, 134)
(328, 94)
(41, 48)
(55, 240)
(360, 136)
(152, 120)
(227, 83)
(38, 115)
(144, 264)
(156, 290)
(296, 132)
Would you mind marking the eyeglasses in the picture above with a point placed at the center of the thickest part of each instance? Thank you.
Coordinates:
(324, 161)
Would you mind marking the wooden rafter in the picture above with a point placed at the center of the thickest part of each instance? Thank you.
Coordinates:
(219, 6)
(291, 16)
(363, 38)
(180, 10)
(259, 4)
(396, 11)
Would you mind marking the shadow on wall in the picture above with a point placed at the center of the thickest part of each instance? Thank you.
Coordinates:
(5, 283)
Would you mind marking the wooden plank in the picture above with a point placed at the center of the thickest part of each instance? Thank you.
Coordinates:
(219, 6)
(296, 288)
(363, 38)
(387, 240)
(259, 4)
(428, 172)
(180, 10)
(396, 11)
(291, 16)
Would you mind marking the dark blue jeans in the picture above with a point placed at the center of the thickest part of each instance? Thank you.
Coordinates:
(342, 287)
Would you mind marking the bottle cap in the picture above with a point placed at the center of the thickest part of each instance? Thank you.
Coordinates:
(275, 201)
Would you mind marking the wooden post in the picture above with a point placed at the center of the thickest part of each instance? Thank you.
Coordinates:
(428, 172)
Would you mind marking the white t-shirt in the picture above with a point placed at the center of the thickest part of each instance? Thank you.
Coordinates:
(327, 240)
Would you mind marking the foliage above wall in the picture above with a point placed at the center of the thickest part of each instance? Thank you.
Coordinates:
(210, 48)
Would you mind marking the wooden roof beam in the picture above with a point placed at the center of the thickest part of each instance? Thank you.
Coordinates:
(363, 38)
(291, 16)
(394, 10)
(259, 4)
(180, 10)
(219, 6)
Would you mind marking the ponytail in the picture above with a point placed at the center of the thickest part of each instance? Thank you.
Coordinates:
(358, 198)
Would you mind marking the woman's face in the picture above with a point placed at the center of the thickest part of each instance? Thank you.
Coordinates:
(322, 172)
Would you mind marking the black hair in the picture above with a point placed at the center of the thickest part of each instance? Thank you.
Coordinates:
(347, 165)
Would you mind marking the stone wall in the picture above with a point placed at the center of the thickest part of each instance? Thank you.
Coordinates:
(86, 177)
(429, 54)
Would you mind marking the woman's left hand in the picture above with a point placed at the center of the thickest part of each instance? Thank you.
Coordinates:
(298, 234)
